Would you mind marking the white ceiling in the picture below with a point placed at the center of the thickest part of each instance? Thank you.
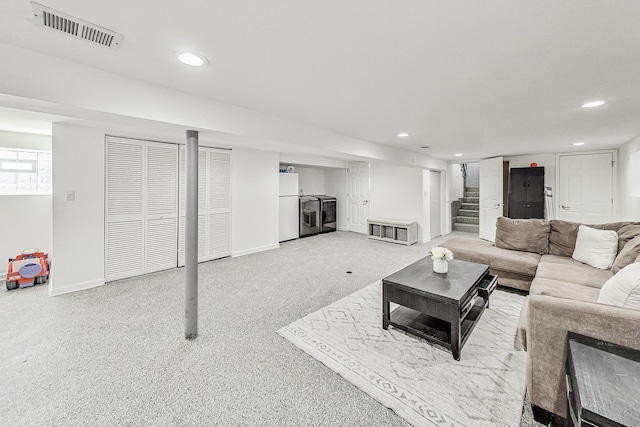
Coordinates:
(497, 77)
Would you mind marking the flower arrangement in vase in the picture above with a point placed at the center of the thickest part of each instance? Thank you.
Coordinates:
(440, 256)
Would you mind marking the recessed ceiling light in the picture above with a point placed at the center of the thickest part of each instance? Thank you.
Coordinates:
(403, 135)
(458, 155)
(192, 59)
(592, 104)
(578, 143)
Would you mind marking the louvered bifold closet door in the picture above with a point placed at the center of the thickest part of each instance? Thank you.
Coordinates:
(219, 212)
(162, 206)
(202, 206)
(125, 209)
(214, 204)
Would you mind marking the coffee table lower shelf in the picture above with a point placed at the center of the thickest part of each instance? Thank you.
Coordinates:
(436, 330)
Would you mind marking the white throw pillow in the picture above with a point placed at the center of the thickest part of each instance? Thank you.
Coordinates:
(598, 248)
(623, 289)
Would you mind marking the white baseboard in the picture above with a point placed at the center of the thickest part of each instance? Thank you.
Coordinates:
(342, 228)
(255, 250)
(3, 276)
(53, 292)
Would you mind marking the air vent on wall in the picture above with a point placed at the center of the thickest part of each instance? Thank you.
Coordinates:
(425, 147)
(47, 17)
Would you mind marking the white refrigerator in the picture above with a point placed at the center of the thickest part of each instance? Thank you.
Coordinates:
(289, 218)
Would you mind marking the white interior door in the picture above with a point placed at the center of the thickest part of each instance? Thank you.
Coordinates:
(214, 204)
(358, 196)
(585, 188)
(435, 204)
(490, 196)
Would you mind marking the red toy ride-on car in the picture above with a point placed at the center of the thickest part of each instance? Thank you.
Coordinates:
(27, 269)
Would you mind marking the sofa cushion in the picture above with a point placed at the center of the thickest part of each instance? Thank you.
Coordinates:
(512, 280)
(628, 255)
(569, 270)
(563, 234)
(623, 289)
(472, 250)
(483, 252)
(514, 261)
(526, 235)
(562, 237)
(566, 290)
(598, 248)
(626, 234)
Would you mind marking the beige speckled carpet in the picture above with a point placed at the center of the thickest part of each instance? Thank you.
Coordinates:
(421, 382)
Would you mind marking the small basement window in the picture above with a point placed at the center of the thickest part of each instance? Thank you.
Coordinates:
(25, 171)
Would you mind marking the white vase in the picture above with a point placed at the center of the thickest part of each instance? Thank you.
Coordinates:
(440, 265)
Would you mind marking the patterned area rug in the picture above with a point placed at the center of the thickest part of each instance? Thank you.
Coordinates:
(422, 382)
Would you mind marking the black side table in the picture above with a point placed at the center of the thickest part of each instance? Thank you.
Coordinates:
(603, 383)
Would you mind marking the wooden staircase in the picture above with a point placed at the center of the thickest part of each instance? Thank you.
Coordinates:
(468, 216)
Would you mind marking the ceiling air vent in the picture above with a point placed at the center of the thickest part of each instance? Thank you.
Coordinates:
(47, 17)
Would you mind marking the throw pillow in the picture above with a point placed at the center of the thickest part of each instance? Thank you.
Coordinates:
(626, 233)
(627, 255)
(562, 238)
(623, 289)
(526, 235)
(598, 248)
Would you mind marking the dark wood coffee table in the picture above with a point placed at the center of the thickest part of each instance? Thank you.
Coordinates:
(441, 308)
(603, 380)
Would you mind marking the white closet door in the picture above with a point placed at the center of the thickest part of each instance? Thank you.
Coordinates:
(142, 207)
(214, 204)
(219, 214)
(125, 209)
(162, 206)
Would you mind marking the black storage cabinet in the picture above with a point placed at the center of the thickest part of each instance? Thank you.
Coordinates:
(526, 192)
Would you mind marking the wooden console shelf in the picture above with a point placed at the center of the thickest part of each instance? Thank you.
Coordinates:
(391, 230)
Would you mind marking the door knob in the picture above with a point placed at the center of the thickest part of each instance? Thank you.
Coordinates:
(497, 205)
(364, 202)
(565, 207)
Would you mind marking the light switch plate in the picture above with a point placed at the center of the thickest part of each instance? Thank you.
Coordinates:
(71, 196)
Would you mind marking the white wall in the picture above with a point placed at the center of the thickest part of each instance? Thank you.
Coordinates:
(254, 201)
(335, 184)
(456, 182)
(25, 219)
(311, 180)
(26, 223)
(78, 226)
(473, 175)
(629, 207)
(396, 193)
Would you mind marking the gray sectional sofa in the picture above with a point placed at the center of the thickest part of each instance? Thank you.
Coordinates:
(535, 255)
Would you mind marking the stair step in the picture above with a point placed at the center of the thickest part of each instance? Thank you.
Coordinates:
(469, 213)
(469, 228)
(472, 194)
(476, 189)
(470, 206)
(469, 199)
(466, 220)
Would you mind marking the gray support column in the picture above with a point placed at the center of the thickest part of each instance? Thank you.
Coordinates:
(191, 238)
